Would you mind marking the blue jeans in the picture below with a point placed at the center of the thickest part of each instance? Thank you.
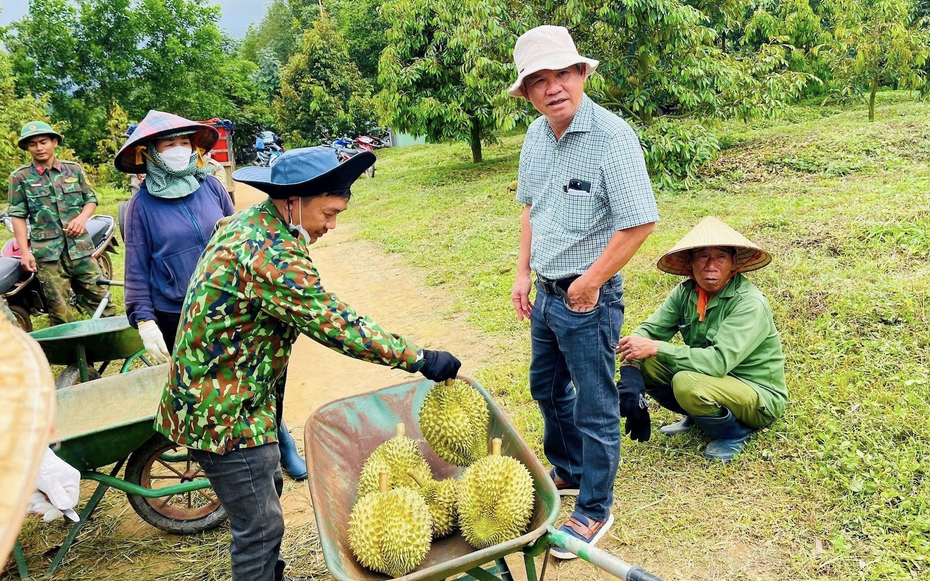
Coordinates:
(582, 423)
(248, 483)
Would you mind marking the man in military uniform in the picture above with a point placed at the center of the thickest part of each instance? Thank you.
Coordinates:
(57, 200)
(254, 291)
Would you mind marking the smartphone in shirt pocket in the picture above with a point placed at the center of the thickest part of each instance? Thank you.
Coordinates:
(578, 205)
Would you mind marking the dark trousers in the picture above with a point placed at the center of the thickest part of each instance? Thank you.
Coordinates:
(168, 324)
(248, 483)
(572, 379)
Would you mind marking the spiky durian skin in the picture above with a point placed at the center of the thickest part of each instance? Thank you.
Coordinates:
(441, 498)
(495, 501)
(396, 456)
(390, 532)
(454, 420)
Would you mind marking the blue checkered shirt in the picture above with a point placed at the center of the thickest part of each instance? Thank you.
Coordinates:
(571, 230)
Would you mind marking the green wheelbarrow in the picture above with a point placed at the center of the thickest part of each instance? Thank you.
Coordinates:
(110, 422)
(341, 435)
(81, 344)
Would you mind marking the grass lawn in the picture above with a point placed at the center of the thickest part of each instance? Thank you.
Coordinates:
(838, 488)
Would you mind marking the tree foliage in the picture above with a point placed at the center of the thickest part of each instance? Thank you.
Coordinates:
(93, 55)
(363, 29)
(14, 112)
(322, 91)
(446, 67)
(878, 43)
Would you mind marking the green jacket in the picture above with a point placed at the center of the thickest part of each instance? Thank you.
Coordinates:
(49, 199)
(736, 338)
(255, 290)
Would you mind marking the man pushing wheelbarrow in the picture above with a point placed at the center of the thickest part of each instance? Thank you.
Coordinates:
(253, 292)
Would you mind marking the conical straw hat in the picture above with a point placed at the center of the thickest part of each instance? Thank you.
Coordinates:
(713, 232)
(27, 411)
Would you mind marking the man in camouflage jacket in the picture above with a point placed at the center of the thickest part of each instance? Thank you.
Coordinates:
(255, 290)
(56, 199)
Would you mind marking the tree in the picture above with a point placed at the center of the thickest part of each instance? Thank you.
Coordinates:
(877, 43)
(280, 29)
(14, 112)
(446, 68)
(362, 26)
(322, 91)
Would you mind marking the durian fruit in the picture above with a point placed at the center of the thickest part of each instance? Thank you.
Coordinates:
(390, 531)
(441, 497)
(397, 456)
(495, 499)
(454, 421)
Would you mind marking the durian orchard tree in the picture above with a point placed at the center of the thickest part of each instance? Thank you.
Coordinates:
(877, 44)
(446, 68)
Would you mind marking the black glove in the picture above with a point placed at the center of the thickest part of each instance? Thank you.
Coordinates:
(439, 365)
(633, 405)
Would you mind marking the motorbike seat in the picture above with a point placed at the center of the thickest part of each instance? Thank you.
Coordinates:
(97, 227)
(9, 274)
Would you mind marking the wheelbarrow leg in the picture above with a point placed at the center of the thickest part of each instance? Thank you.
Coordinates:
(91, 506)
(20, 561)
(82, 362)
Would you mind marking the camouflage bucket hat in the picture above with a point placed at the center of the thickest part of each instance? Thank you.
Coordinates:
(158, 124)
(34, 128)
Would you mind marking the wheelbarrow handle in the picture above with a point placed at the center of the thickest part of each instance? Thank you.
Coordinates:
(106, 282)
(598, 558)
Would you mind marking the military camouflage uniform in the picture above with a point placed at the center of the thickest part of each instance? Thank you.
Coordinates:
(49, 199)
(254, 291)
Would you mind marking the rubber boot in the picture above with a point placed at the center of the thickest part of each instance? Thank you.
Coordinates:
(729, 435)
(291, 461)
(684, 425)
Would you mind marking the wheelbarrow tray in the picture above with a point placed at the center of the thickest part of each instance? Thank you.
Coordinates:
(103, 339)
(341, 435)
(101, 422)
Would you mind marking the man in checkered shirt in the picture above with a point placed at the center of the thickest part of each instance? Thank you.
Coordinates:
(588, 207)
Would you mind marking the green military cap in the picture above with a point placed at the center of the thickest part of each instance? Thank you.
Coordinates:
(34, 128)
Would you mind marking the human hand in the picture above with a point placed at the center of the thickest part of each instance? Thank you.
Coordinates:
(439, 365)
(59, 486)
(634, 347)
(520, 295)
(28, 261)
(76, 227)
(153, 341)
(582, 295)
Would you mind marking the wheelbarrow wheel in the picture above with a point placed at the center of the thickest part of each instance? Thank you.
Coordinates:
(72, 376)
(158, 463)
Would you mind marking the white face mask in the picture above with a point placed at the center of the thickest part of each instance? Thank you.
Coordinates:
(299, 227)
(177, 158)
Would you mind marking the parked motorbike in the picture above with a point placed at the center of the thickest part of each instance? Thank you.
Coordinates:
(21, 288)
(268, 156)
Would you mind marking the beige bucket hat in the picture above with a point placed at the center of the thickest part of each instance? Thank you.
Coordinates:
(713, 232)
(27, 411)
(545, 48)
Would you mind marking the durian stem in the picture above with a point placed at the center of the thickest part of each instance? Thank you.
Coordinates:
(450, 381)
(400, 429)
(496, 446)
(416, 478)
(383, 482)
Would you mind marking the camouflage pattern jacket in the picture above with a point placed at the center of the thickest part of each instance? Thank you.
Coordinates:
(49, 199)
(253, 292)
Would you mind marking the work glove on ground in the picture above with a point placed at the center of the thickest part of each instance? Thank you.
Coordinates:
(439, 365)
(154, 342)
(59, 486)
(633, 404)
